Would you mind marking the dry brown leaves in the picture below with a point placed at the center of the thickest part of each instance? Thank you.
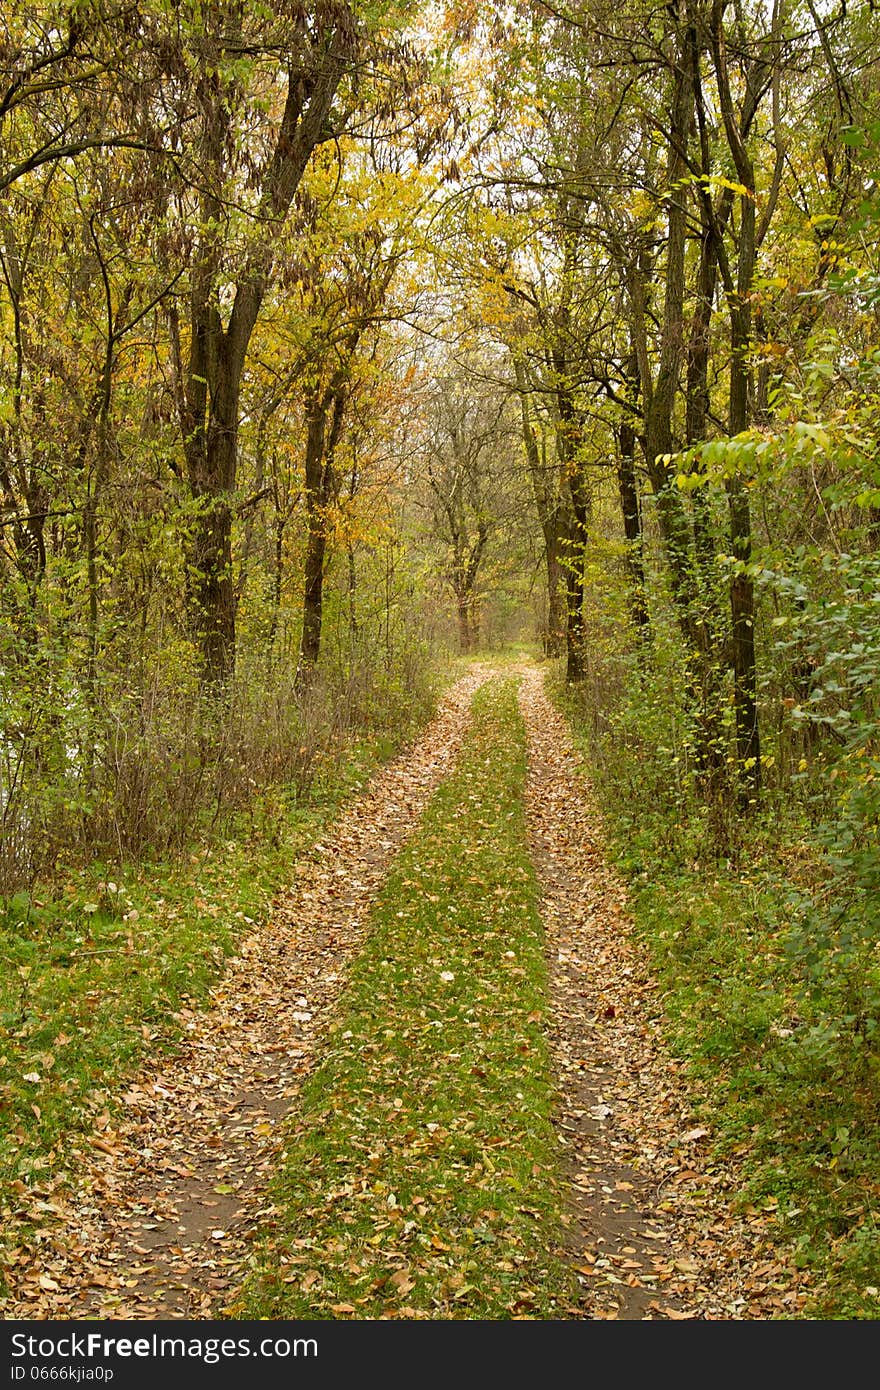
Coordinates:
(652, 1232)
(160, 1221)
(164, 1207)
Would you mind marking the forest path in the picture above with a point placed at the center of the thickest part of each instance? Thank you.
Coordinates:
(652, 1230)
(160, 1222)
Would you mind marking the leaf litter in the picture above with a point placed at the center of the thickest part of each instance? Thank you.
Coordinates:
(420, 1180)
(653, 1228)
(158, 1220)
(172, 1184)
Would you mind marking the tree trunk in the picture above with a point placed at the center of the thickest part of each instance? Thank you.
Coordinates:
(23, 495)
(632, 529)
(659, 395)
(320, 491)
(554, 526)
(568, 440)
(554, 637)
(465, 635)
(575, 657)
(212, 476)
(313, 601)
(706, 660)
(208, 389)
(742, 589)
(742, 613)
(277, 577)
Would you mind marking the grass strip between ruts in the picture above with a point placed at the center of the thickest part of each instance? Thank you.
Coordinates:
(420, 1178)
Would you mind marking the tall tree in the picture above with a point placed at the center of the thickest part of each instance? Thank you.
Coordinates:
(306, 60)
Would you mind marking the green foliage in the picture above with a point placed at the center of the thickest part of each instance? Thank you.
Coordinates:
(836, 930)
(834, 632)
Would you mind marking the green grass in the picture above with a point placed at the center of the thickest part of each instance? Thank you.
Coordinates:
(800, 1112)
(797, 1106)
(99, 974)
(421, 1178)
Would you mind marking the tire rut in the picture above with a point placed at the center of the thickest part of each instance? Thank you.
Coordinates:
(651, 1227)
(166, 1203)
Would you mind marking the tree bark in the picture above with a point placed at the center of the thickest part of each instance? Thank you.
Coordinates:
(742, 589)
(209, 395)
(464, 580)
(320, 492)
(632, 528)
(465, 635)
(574, 555)
(552, 519)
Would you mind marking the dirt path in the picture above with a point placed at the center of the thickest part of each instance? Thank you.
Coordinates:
(651, 1231)
(160, 1222)
(166, 1206)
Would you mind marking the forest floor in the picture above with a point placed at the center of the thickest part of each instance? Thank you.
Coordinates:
(173, 1193)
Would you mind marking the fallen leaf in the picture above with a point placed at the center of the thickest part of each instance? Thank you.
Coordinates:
(694, 1134)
